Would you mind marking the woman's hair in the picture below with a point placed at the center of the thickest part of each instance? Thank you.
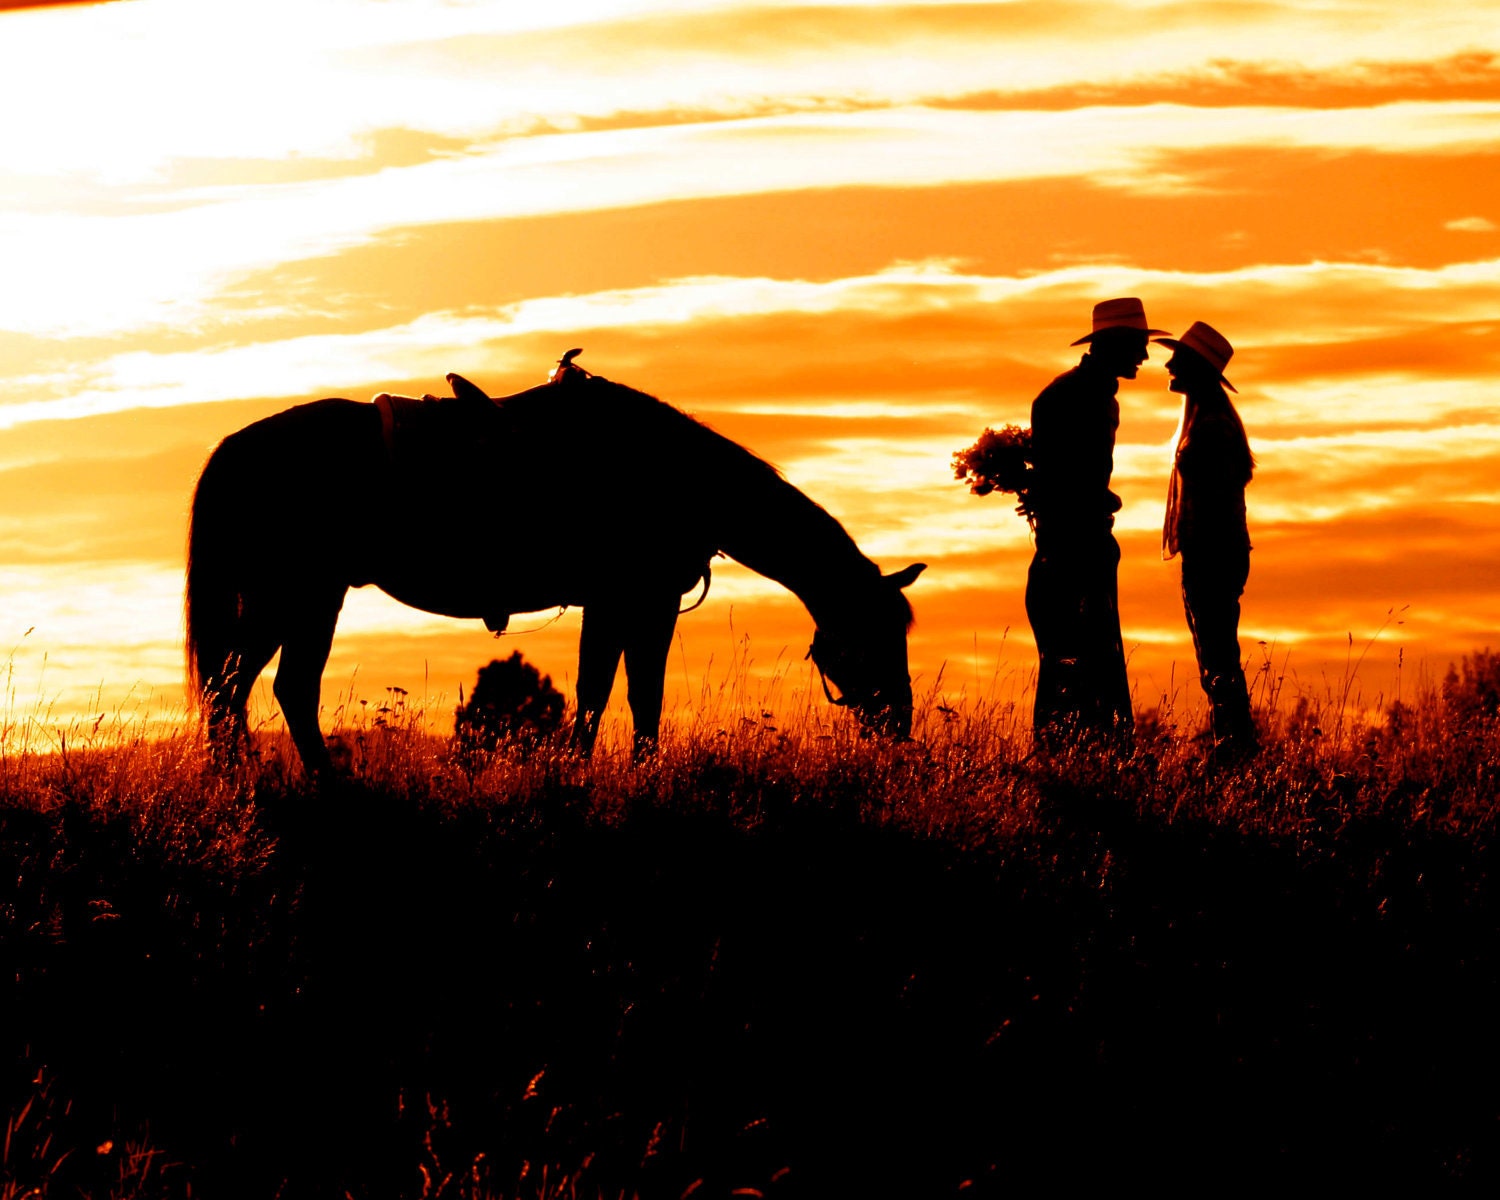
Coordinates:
(1217, 400)
(1239, 428)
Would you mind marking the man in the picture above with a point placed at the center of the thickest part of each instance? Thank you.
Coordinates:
(1072, 597)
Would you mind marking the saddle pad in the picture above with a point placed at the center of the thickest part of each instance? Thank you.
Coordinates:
(429, 433)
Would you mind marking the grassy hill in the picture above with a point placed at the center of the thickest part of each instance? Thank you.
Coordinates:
(776, 960)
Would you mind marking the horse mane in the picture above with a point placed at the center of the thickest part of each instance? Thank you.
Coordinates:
(763, 492)
(721, 450)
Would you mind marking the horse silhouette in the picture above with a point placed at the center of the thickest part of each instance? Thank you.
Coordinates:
(580, 492)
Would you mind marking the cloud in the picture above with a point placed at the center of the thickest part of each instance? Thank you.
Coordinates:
(1012, 54)
(1289, 206)
(1300, 317)
(164, 268)
(465, 70)
(1471, 225)
(1229, 82)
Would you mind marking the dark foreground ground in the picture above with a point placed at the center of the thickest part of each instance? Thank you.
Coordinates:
(402, 997)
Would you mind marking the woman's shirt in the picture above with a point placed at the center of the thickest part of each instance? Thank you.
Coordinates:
(1206, 498)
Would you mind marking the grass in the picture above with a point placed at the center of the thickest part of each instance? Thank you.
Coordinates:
(777, 959)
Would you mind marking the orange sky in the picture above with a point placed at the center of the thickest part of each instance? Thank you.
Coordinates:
(848, 235)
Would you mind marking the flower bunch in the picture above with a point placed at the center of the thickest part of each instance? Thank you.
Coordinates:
(999, 461)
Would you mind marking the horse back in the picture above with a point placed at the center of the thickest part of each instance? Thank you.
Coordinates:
(284, 487)
(329, 440)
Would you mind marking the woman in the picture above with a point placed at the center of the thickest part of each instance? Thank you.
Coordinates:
(1206, 524)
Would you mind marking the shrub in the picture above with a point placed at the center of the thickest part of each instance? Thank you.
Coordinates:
(512, 701)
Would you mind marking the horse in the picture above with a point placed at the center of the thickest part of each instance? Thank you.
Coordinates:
(580, 492)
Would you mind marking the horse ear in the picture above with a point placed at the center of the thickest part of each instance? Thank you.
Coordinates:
(463, 389)
(904, 579)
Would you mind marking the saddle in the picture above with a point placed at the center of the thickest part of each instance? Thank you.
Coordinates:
(420, 432)
(424, 432)
(429, 439)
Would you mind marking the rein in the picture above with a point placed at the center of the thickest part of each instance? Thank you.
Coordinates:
(841, 701)
(535, 628)
(703, 595)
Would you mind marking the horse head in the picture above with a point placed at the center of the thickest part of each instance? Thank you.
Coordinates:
(865, 657)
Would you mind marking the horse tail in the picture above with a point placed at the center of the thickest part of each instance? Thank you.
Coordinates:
(215, 551)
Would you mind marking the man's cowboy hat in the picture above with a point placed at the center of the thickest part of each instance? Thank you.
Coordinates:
(1208, 344)
(1124, 313)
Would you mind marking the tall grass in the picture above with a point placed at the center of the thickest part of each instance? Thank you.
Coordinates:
(120, 820)
(969, 774)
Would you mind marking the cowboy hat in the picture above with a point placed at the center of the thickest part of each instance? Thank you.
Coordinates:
(1208, 344)
(1125, 313)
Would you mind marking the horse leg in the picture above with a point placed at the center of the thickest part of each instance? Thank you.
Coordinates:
(299, 676)
(646, 649)
(251, 644)
(227, 725)
(600, 645)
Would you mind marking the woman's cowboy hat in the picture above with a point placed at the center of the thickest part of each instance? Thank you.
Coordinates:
(1124, 313)
(1208, 344)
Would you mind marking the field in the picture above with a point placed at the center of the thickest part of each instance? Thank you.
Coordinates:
(775, 960)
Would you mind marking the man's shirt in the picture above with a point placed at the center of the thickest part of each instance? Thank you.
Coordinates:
(1073, 424)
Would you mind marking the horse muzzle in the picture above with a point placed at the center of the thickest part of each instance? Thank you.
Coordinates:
(887, 714)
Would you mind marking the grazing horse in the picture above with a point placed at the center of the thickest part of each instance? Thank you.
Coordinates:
(580, 492)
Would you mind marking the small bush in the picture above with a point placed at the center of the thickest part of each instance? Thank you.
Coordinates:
(512, 701)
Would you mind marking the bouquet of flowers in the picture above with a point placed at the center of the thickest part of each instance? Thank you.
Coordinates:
(998, 461)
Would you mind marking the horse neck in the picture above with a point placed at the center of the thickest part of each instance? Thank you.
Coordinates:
(780, 533)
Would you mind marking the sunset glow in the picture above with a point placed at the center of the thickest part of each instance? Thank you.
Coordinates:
(848, 235)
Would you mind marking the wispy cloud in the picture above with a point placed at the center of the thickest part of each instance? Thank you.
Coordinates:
(184, 81)
(166, 267)
(1279, 308)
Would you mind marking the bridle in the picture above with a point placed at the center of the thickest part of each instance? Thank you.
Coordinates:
(838, 701)
(864, 698)
(875, 705)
